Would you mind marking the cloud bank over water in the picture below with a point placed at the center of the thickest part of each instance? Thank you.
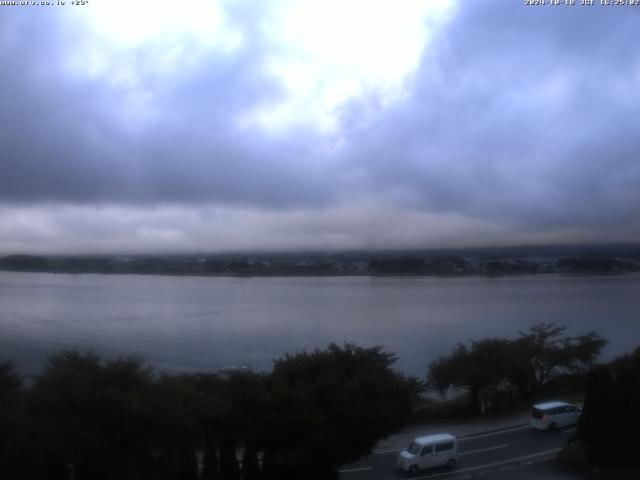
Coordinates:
(318, 125)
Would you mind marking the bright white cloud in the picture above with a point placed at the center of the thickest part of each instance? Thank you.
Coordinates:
(140, 22)
(330, 51)
(128, 46)
(323, 52)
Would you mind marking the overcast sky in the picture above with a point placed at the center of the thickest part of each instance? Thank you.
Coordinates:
(158, 126)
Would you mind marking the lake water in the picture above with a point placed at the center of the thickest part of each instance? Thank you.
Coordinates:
(200, 323)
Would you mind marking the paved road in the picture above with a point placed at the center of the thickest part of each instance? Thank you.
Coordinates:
(521, 452)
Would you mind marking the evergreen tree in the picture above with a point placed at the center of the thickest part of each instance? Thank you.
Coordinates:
(188, 465)
(627, 414)
(610, 419)
(210, 458)
(267, 470)
(11, 419)
(594, 424)
(167, 462)
(229, 468)
(250, 466)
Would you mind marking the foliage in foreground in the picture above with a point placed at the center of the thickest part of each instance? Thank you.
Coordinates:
(605, 445)
(527, 364)
(338, 402)
(89, 418)
(610, 419)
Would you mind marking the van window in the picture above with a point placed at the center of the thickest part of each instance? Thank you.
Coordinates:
(537, 413)
(428, 450)
(441, 447)
(414, 448)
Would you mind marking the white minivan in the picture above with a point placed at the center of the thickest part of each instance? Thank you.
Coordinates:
(552, 415)
(429, 451)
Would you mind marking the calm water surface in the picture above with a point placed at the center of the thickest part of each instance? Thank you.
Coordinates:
(197, 323)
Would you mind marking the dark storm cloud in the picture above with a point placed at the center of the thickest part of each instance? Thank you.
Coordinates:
(525, 115)
(68, 138)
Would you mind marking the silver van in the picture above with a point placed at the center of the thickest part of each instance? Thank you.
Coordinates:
(428, 452)
(552, 415)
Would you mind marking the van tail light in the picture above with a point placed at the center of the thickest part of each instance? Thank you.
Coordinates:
(545, 417)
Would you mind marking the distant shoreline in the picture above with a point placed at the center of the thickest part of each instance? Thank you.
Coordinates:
(493, 270)
(487, 262)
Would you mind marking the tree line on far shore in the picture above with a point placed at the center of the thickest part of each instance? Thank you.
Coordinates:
(574, 260)
(85, 417)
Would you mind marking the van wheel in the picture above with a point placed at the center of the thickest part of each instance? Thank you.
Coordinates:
(552, 426)
(452, 462)
(413, 469)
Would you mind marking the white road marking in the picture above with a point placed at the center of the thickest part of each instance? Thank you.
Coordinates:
(350, 470)
(522, 427)
(378, 452)
(482, 450)
(570, 430)
(487, 465)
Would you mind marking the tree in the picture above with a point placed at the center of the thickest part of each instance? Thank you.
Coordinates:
(229, 468)
(234, 406)
(11, 420)
(210, 458)
(176, 404)
(610, 419)
(250, 465)
(243, 399)
(93, 414)
(10, 384)
(188, 464)
(485, 363)
(329, 407)
(545, 353)
(528, 362)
